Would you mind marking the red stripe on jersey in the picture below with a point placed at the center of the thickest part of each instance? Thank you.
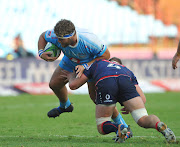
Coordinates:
(110, 76)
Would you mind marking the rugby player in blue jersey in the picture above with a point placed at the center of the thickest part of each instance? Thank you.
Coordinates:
(80, 48)
(114, 84)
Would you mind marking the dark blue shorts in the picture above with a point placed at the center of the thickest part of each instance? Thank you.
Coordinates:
(115, 89)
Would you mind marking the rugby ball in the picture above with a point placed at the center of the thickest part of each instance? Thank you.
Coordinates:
(53, 49)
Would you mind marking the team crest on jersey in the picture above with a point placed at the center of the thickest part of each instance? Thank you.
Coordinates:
(49, 34)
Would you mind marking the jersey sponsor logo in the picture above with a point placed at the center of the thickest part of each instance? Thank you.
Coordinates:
(75, 60)
(107, 96)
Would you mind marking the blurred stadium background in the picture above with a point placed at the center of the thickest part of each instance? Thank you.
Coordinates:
(144, 34)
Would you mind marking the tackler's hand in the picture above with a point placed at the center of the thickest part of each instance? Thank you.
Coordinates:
(125, 111)
(79, 70)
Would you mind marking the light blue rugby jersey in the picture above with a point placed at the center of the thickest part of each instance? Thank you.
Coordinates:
(87, 48)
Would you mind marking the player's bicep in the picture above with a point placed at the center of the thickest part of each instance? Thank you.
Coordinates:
(100, 50)
(42, 42)
(97, 46)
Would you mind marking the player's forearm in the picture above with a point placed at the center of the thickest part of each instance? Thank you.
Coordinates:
(75, 83)
(178, 49)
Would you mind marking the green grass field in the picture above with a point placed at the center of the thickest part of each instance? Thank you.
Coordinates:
(24, 122)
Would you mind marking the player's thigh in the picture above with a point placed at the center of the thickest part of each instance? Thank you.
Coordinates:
(134, 103)
(104, 110)
(139, 90)
(59, 77)
(92, 90)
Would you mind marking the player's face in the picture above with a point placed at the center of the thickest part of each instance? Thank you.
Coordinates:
(64, 42)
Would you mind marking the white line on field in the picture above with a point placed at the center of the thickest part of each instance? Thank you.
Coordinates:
(64, 136)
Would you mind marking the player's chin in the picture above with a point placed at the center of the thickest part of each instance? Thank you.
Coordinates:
(65, 45)
(50, 60)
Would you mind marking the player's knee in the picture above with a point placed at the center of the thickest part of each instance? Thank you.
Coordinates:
(55, 87)
(73, 86)
(52, 85)
(56, 84)
(139, 115)
(99, 128)
(100, 121)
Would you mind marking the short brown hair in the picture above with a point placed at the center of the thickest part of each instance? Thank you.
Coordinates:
(116, 59)
(64, 27)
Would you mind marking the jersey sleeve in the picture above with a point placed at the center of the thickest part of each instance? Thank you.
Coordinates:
(50, 36)
(97, 47)
(89, 72)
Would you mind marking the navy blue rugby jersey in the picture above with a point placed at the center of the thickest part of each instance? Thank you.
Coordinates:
(102, 69)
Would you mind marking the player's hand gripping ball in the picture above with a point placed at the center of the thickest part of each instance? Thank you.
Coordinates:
(53, 49)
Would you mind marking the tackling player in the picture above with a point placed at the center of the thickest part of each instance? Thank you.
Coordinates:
(134, 80)
(114, 84)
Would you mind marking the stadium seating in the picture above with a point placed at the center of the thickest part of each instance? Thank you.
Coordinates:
(113, 23)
